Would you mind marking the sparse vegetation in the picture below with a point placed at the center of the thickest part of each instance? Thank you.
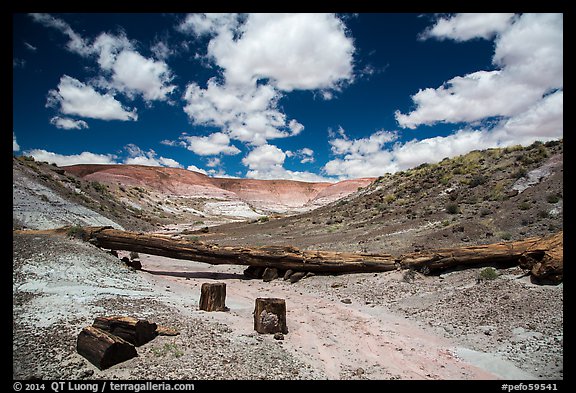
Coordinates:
(519, 173)
(477, 180)
(525, 205)
(452, 208)
(99, 187)
(75, 231)
(488, 273)
(167, 349)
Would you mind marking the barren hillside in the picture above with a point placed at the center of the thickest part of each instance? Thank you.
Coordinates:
(478, 198)
(157, 198)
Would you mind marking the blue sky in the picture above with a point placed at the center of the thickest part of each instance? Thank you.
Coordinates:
(313, 97)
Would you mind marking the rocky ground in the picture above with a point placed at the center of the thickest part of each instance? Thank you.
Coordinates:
(395, 325)
(61, 285)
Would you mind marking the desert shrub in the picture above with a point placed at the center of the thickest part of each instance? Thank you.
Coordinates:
(477, 180)
(101, 188)
(75, 231)
(524, 205)
(409, 276)
(488, 273)
(445, 180)
(264, 219)
(505, 235)
(452, 208)
(521, 172)
(389, 198)
(514, 148)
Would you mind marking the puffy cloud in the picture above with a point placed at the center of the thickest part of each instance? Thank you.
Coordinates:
(213, 144)
(138, 156)
(543, 121)
(213, 162)
(73, 159)
(194, 168)
(362, 146)
(161, 50)
(373, 156)
(247, 114)
(106, 47)
(266, 162)
(463, 27)
(208, 23)
(264, 157)
(261, 56)
(76, 98)
(15, 145)
(134, 74)
(529, 52)
(124, 69)
(67, 123)
(294, 51)
(306, 154)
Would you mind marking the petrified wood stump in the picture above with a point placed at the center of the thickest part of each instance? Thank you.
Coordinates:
(270, 315)
(102, 348)
(213, 297)
(135, 331)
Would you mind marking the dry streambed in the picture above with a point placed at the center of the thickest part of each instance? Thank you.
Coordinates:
(361, 326)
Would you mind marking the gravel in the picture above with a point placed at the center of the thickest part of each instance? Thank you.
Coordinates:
(60, 285)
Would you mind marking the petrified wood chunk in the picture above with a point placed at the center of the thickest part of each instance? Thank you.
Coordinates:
(135, 331)
(213, 297)
(102, 348)
(270, 315)
(270, 274)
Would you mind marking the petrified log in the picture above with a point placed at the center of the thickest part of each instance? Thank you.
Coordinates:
(270, 273)
(254, 271)
(285, 258)
(213, 297)
(545, 259)
(166, 331)
(135, 331)
(270, 315)
(103, 349)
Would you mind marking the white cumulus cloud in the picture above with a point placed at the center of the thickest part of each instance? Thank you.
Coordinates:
(67, 123)
(261, 56)
(73, 159)
(194, 168)
(463, 27)
(137, 156)
(213, 144)
(294, 51)
(15, 145)
(266, 162)
(76, 98)
(134, 74)
(122, 70)
(529, 54)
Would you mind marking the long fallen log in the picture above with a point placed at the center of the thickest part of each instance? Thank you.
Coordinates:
(543, 256)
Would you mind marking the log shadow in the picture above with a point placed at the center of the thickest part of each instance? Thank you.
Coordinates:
(209, 275)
